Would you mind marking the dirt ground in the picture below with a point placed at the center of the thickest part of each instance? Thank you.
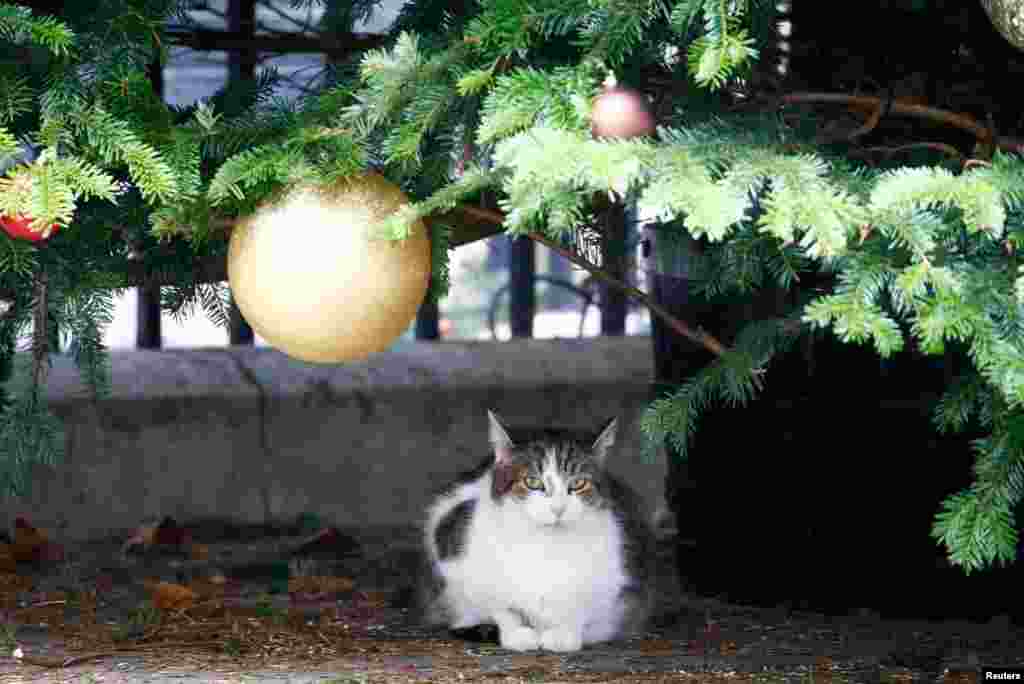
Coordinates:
(92, 618)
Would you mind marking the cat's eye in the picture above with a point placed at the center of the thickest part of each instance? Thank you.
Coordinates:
(579, 486)
(534, 483)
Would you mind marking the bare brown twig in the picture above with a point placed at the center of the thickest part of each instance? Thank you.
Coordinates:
(964, 122)
(869, 125)
(890, 151)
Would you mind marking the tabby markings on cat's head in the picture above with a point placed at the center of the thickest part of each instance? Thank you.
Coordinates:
(555, 478)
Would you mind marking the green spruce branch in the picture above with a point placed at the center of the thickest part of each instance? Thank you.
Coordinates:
(19, 26)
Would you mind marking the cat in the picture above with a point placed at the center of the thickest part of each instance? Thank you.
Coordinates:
(541, 541)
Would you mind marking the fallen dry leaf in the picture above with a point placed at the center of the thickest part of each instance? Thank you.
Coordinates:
(170, 534)
(657, 647)
(170, 596)
(32, 544)
(823, 669)
(8, 563)
(141, 539)
(160, 536)
(373, 599)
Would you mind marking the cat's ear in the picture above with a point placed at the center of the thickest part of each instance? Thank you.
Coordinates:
(605, 440)
(499, 439)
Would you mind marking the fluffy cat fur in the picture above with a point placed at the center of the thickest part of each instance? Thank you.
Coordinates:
(541, 542)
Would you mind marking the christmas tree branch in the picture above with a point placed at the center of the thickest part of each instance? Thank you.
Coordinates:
(213, 269)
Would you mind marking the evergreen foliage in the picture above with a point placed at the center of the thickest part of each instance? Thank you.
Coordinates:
(921, 254)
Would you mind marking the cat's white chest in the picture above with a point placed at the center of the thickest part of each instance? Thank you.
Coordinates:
(552, 561)
(574, 574)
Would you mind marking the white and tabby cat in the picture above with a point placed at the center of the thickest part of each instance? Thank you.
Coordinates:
(542, 542)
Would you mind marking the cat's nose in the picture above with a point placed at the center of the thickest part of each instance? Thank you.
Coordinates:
(558, 510)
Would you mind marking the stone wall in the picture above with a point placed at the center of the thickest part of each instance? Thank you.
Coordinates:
(252, 435)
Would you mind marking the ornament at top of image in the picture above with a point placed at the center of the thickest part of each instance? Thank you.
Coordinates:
(621, 112)
(1008, 18)
(20, 227)
(311, 278)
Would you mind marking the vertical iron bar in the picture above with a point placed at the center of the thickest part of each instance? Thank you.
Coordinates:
(148, 332)
(613, 302)
(522, 286)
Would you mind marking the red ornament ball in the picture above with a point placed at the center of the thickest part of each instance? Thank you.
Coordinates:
(21, 227)
(621, 112)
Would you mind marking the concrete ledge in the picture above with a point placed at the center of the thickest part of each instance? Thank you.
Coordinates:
(252, 435)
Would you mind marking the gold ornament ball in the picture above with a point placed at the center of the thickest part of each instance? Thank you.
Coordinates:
(311, 277)
(1008, 18)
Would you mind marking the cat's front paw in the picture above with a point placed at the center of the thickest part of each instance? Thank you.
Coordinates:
(561, 640)
(520, 639)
